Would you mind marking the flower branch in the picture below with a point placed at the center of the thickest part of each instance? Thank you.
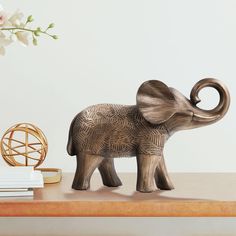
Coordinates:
(13, 29)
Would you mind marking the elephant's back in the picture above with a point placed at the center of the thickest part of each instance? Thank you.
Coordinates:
(106, 114)
(103, 127)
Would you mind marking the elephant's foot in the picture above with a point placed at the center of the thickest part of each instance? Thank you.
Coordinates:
(162, 178)
(108, 173)
(145, 188)
(86, 164)
(112, 181)
(163, 183)
(146, 170)
(80, 185)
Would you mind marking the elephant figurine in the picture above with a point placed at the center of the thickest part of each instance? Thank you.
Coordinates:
(102, 132)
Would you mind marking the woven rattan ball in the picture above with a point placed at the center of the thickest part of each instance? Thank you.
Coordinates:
(24, 144)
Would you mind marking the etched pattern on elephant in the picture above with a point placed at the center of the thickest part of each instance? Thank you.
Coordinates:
(117, 131)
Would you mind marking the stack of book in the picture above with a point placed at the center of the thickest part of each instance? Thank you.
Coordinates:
(19, 181)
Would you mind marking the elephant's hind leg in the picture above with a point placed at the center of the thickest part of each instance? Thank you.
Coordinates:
(86, 164)
(161, 176)
(108, 173)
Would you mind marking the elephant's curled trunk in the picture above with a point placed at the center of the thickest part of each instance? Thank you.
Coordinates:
(213, 115)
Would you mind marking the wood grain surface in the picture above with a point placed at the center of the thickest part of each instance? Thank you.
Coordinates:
(195, 195)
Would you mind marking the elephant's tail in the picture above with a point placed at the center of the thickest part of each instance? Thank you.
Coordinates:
(70, 146)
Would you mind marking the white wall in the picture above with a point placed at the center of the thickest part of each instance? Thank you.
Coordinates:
(107, 48)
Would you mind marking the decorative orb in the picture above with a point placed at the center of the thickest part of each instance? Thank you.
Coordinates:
(24, 145)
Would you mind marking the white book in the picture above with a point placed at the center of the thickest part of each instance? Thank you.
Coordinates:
(19, 179)
(13, 189)
(35, 182)
(16, 172)
(27, 193)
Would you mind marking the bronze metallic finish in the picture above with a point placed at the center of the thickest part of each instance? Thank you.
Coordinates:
(105, 131)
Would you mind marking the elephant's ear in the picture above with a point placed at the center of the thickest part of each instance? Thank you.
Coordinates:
(155, 101)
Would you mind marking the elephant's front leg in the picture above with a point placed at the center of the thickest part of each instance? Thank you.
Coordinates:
(147, 165)
(86, 164)
(161, 176)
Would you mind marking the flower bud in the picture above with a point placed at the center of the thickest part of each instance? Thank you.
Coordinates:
(51, 26)
(35, 42)
(36, 33)
(55, 37)
(30, 18)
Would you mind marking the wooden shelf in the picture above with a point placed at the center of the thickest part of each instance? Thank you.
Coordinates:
(195, 195)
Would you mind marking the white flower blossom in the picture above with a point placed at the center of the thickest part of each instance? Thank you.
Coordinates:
(2, 51)
(13, 37)
(16, 18)
(4, 41)
(23, 37)
(3, 18)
